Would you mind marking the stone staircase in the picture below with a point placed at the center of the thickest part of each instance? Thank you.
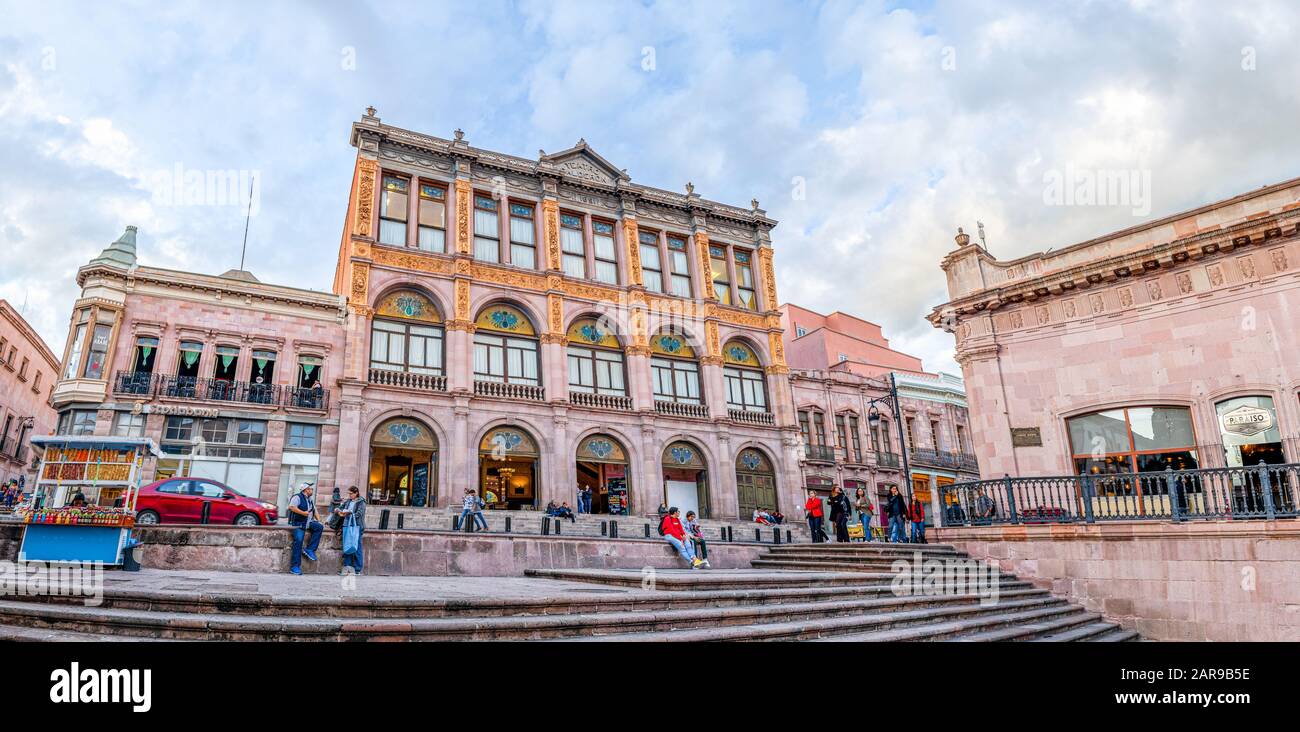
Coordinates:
(849, 596)
(586, 525)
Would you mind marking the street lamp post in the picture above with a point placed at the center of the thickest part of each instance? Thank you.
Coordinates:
(873, 418)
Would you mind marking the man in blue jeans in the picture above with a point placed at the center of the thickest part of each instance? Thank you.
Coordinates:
(302, 520)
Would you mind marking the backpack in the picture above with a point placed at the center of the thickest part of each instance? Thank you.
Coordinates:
(662, 521)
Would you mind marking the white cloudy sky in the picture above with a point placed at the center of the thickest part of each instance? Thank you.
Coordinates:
(902, 120)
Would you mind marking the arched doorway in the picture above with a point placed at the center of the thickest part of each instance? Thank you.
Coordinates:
(508, 469)
(403, 464)
(686, 478)
(755, 482)
(602, 467)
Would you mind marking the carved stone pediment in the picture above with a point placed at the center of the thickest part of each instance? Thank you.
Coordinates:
(582, 163)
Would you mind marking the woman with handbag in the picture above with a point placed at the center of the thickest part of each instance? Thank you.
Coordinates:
(353, 516)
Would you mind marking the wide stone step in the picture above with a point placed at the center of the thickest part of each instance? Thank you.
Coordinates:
(1035, 630)
(833, 566)
(1081, 632)
(21, 634)
(865, 548)
(716, 579)
(834, 626)
(1005, 617)
(1117, 635)
(195, 626)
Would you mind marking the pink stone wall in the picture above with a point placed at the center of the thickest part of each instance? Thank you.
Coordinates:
(24, 394)
(1198, 581)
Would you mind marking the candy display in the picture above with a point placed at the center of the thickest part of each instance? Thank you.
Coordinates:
(82, 516)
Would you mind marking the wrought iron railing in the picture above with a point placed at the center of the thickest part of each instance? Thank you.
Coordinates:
(888, 460)
(135, 382)
(600, 401)
(300, 397)
(1259, 492)
(944, 459)
(822, 453)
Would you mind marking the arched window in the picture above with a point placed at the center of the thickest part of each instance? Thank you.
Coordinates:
(746, 383)
(675, 368)
(595, 359)
(406, 334)
(505, 347)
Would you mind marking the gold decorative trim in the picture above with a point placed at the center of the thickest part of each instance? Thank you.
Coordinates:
(713, 343)
(462, 314)
(360, 282)
(362, 216)
(555, 308)
(551, 230)
(463, 194)
(769, 276)
(419, 262)
(777, 349)
(706, 267)
(632, 235)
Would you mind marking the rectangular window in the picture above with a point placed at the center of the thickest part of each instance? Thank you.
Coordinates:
(820, 424)
(961, 439)
(98, 351)
(676, 381)
(303, 437)
(22, 370)
(799, 331)
(487, 236)
(500, 359)
(127, 424)
(227, 364)
(74, 352)
(596, 372)
(188, 362)
(934, 434)
(842, 434)
(651, 268)
(179, 429)
(804, 429)
(745, 389)
(572, 246)
(309, 371)
(721, 280)
(523, 244)
(911, 433)
(606, 260)
(679, 264)
(746, 294)
(433, 218)
(855, 438)
(392, 211)
(77, 422)
(146, 350)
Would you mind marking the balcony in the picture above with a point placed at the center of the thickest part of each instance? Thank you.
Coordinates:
(190, 388)
(888, 460)
(746, 416)
(819, 453)
(500, 390)
(407, 380)
(682, 409)
(600, 401)
(944, 459)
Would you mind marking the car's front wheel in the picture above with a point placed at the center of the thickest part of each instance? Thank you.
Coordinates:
(147, 518)
(246, 519)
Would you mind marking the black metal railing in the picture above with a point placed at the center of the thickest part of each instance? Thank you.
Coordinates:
(221, 390)
(301, 397)
(140, 383)
(944, 459)
(822, 453)
(888, 460)
(1259, 492)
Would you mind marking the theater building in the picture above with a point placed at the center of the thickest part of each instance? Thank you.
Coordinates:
(233, 378)
(28, 370)
(1168, 344)
(523, 326)
(843, 380)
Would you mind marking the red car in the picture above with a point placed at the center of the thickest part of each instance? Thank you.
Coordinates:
(181, 500)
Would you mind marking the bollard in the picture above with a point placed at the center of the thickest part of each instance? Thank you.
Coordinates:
(776, 536)
(401, 521)
(758, 535)
(613, 529)
(546, 526)
(558, 524)
(604, 529)
(788, 535)
(647, 531)
(206, 513)
(455, 522)
(730, 534)
(383, 520)
(507, 524)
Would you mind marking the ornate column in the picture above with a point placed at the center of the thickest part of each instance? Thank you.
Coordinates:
(631, 241)
(638, 356)
(460, 333)
(462, 468)
(715, 393)
(554, 355)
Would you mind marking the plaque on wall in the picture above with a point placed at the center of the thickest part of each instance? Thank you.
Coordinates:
(1026, 437)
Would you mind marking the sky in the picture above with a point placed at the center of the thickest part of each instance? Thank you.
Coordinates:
(870, 130)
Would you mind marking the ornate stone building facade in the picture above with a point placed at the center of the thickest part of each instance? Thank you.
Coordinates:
(28, 370)
(230, 376)
(1169, 344)
(521, 327)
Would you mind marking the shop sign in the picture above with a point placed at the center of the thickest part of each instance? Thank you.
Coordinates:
(176, 410)
(1247, 421)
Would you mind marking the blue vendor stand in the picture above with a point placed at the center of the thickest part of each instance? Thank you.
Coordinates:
(105, 473)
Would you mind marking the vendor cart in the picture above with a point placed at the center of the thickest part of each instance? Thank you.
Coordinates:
(82, 507)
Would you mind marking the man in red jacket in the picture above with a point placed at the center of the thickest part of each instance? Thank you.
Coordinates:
(671, 529)
(813, 510)
(917, 515)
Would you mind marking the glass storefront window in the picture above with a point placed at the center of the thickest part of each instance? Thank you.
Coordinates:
(1250, 432)
(1133, 439)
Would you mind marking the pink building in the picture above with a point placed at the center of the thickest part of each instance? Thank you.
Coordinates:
(519, 327)
(843, 373)
(235, 379)
(28, 370)
(1169, 344)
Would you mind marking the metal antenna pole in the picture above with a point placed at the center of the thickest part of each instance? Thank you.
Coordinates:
(247, 215)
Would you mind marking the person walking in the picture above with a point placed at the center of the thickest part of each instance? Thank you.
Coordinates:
(696, 534)
(302, 522)
(584, 499)
(865, 512)
(840, 514)
(813, 511)
(670, 528)
(896, 512)
(471, 507)
(353, 513)
(916, 513)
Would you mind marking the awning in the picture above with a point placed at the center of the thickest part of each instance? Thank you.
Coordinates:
(98, 442)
